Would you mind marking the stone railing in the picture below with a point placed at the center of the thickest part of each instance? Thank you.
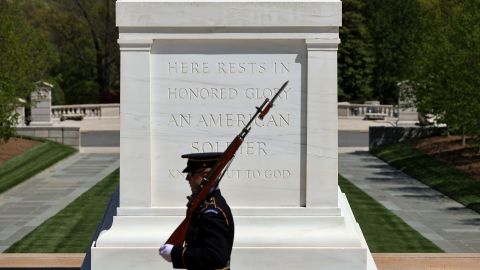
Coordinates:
(86, 110)
(363, 110)
(113, 110)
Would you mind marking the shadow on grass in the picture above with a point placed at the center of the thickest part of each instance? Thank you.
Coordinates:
(388, 172)
(413, 190)
(386, 180)
(434, 173)
(425, 197)
(71, 230)
(383, 230)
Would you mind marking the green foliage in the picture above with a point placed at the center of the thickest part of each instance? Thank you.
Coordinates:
(71, 230)
(85, 35)
(433, 173)
(31, 162)
(25, 57)
(58, 96)
(8, 116)
(356, 55)
(383, 230)
(393, 25)
(446, 65)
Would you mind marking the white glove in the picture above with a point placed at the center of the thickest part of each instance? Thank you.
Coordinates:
(165, 251)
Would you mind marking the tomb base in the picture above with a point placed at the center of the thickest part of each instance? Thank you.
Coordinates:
(297, 239)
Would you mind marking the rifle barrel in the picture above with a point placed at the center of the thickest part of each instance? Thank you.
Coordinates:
(279, 91)
(270, 104)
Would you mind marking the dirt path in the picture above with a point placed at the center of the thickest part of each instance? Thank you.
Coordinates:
(450, 150)
(14, 147)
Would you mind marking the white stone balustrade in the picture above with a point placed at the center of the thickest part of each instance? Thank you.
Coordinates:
(113, 110)
(360, 110)
(86, 110)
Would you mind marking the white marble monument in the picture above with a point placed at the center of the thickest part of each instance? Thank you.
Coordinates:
(192, 73)
(41, 111)
(407, 111)
(20, 110)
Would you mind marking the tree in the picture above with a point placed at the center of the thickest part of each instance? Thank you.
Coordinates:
(100, 18)
(356, 55)
(85, 36)
(394, 28)
(25, 57)
(447, 64)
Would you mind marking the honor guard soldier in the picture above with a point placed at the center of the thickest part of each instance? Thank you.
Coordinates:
(209, 241)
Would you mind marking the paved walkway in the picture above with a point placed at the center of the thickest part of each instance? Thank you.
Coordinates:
(445, 222)
(27, 205)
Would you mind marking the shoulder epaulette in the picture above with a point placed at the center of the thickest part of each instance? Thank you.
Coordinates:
(210, 206)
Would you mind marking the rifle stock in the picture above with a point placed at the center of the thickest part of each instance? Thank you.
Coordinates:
(180, 234)
(214, 176)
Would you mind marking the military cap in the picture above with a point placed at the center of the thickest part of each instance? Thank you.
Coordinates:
(201, 160)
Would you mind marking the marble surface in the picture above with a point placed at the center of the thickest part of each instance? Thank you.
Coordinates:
(182, 96)
(41, 111)
(278, 242)
(191, 76)
(207, 13)
(202, 99)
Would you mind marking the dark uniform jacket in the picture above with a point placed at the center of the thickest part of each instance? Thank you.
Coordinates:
(210, 237)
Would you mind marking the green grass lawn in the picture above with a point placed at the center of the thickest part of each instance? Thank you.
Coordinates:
(31, 162)
(71, 230)
(436, 174)
(383, 230)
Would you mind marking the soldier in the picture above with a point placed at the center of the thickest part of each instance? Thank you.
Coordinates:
(210, 237)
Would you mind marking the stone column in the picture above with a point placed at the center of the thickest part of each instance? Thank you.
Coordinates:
(135, 159)
(322, 122)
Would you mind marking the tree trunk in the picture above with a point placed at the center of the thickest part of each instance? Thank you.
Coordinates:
(464, 138)
(99, 56)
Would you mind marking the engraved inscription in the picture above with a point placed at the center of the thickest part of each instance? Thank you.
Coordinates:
(209, 92)
(188, 67)
(262, 93)
(241, 68)
(223, 93)
(281, 67)
(253, 174)
(212, 120)
(269, 174)
(202, 93)
(180, 120)
(228, 68)
(240, 120)
(247, 148)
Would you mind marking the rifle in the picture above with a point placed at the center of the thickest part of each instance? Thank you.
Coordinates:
(215, 175)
